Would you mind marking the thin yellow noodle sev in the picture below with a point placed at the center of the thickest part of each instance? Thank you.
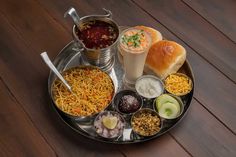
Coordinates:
(92, 91)
(178, 84)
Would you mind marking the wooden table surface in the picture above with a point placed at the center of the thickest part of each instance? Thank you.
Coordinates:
(30, 127)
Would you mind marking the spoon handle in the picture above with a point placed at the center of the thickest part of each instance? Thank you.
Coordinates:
(54, 69)
(74, 15)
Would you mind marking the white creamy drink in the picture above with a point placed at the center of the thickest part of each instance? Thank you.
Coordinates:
(134, 45)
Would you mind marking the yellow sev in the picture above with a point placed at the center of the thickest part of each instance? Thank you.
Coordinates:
(92, 91)
(178, 84)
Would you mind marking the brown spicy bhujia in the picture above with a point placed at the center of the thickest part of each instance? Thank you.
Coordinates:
(92, 91)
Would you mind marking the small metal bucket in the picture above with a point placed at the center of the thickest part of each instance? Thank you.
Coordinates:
(97, 57)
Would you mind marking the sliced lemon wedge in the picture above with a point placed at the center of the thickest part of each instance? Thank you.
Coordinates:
(110, 122)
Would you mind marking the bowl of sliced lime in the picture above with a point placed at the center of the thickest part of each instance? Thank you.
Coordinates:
(168, 106)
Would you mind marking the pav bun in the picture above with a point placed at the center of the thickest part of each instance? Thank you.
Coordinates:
(164, 58)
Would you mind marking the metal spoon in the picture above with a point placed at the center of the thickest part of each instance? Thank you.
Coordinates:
(75, 17)
(54, 69)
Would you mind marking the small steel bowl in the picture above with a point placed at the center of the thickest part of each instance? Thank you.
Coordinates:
(75, 117)
(178, 99)
(181, 94)
(117, 98)
(152, 77)
(98, 121)
(152, 112)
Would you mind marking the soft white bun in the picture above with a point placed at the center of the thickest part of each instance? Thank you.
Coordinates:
(165, 57)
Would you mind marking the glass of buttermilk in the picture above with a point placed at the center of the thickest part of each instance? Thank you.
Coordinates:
(134, 44)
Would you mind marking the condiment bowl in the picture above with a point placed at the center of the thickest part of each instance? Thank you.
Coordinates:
(109, 124)
(170, 104)
(146, 122)
(119, 97)
(149, 86)
(177, 83)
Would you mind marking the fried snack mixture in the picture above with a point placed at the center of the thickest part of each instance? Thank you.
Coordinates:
(146, 123)
(178, 84)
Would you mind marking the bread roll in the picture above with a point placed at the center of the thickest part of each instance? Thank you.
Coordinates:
(165, 57)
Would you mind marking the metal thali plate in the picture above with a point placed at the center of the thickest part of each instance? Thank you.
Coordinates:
(69, 57)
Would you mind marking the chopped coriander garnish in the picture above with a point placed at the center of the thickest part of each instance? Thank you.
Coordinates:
(134, 40)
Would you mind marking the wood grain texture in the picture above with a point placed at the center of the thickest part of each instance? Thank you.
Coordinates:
(163, 146)
(17, 132)
(33, 22)
(20, 46)
(219, 13)
(195, 32)
(214, 91)
(201, 133)
(63, 140)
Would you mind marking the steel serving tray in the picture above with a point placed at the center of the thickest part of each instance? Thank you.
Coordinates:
(69, 57)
